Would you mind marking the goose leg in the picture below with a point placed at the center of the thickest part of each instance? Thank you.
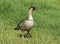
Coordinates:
(28, 34)
(22, 35)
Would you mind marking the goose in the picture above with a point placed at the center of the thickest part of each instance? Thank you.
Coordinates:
(26, 24)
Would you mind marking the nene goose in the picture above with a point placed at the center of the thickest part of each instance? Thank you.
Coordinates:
(27, 24)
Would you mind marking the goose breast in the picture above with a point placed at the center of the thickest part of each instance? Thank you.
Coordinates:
(29, 24)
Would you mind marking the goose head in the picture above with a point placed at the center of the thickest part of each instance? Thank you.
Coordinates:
(32, 8)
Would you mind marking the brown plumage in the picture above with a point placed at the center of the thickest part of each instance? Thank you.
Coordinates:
(26, 24)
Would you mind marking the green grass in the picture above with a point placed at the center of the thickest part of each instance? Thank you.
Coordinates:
(46, 17)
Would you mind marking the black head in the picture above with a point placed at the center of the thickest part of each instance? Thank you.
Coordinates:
(32, 7)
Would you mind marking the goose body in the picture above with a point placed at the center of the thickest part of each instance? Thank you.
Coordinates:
(27, 24)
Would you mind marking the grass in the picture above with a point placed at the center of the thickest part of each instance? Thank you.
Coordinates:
(46, 17)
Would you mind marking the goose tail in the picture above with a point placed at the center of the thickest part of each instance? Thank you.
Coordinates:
(16, 28)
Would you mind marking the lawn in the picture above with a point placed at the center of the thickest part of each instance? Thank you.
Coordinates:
(46, 29)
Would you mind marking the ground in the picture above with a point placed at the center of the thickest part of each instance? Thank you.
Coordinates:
(46, 16)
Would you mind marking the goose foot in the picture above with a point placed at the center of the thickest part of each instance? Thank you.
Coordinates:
(27, 36)
(22, 36)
